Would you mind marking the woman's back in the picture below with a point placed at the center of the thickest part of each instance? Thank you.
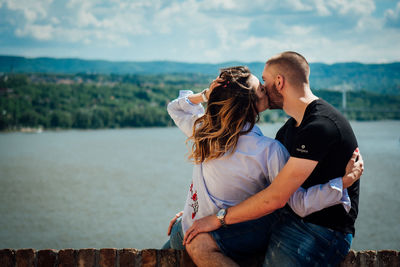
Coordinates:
(235, 177)
(230, 179)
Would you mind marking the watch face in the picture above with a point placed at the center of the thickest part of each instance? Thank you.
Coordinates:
(221, 213)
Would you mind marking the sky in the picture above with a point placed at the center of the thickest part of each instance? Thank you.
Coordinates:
(206, 31)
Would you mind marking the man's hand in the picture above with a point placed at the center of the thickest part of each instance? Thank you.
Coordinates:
(354, 169)
(203, 225)
(179, 214)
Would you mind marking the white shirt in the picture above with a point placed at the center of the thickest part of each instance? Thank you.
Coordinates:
(228, 180)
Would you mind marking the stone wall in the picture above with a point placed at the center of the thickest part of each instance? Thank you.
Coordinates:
(111, 257)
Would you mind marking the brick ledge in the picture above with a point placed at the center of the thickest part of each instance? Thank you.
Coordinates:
(130, 257)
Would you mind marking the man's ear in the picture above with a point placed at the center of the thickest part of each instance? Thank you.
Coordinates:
(279, 82)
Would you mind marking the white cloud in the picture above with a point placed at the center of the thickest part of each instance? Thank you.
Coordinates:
(39, 32)
(210, 30)
(369, 24)
(83, 21)
(321, 8)
(119, 17)
(392, 17)
(176, 14)
(32, 10)
(344, 7)
(298, 5)
(260, 43)
(297, 30)
(224, 4)
(54, 20)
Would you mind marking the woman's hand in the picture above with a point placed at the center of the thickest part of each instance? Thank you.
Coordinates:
(203, 225)
(354, 169)
(179, 214)
(217, 82)
(198, 98)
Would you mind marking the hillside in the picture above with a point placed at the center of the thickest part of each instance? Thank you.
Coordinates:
(379, 78)
(91, 101)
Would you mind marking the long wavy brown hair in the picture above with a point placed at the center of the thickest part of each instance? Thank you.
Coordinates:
(231, 105)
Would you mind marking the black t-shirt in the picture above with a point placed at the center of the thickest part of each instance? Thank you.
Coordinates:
(324, 135)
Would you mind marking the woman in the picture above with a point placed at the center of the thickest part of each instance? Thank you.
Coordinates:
(232, 159)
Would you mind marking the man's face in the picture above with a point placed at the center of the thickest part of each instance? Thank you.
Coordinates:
(275, 98)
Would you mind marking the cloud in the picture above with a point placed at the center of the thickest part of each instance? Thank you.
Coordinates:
(80, 21)
(392, 17)
(32, 10)
(299, 5)
(223, 4)
(118, 17)
(39, 32)
(203, 31)
(369, 25)
(344, 7)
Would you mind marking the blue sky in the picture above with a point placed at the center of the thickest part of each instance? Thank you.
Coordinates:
(202, 31)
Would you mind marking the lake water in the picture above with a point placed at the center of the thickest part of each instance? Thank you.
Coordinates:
(119, 188)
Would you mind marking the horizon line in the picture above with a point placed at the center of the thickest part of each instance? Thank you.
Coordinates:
(188, 62)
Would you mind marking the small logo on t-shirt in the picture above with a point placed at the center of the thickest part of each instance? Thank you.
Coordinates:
(302, 149)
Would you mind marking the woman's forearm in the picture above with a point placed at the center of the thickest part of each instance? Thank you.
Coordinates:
(196, 98)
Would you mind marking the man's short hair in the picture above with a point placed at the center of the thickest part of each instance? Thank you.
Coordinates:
(293, 66)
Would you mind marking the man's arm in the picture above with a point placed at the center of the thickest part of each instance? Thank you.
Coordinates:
(275, 196)
(315, 198)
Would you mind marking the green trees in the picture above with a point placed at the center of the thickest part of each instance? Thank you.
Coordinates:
(88, 101)
(96, 101)
(61, 119)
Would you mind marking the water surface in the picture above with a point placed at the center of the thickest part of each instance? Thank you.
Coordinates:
(119, 188)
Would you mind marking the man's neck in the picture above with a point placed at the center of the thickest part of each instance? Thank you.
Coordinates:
(296, 107)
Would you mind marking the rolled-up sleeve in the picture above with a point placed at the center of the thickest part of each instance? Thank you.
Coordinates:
(184, 113)
(315, 198)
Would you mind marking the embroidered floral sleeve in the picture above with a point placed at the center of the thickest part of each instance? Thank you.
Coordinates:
(195, 201)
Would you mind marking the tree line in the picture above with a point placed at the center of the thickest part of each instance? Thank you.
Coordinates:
(93, 101)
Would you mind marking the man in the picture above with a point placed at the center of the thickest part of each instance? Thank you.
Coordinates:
(320, 142)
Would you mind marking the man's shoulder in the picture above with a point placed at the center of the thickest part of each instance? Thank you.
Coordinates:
(325, 116)
(322, 115)
(319, 126)
(326, 111)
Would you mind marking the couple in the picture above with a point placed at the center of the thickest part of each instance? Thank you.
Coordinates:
(295, 197)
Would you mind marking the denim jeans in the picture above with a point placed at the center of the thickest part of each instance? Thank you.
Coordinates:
(176, 236)
(242, 240)
(295, 242)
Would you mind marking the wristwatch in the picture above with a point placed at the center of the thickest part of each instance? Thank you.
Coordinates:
(221, 216)
(203, 95)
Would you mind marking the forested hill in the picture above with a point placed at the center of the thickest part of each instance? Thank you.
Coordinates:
(380, 78)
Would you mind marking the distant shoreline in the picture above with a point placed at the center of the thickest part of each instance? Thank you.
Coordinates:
(38, 130)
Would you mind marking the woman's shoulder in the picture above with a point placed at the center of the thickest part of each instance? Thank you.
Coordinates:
(256, 140)
(258, 136)
(271, 143)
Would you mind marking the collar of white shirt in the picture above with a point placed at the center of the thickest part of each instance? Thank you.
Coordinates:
(256, 130)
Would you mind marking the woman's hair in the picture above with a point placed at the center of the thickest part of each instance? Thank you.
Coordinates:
(231, 105)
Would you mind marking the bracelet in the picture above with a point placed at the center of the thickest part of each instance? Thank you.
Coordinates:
(203, 95)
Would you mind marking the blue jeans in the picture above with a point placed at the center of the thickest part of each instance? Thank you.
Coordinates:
(294, 242)
(242, 240)
(176, 236)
